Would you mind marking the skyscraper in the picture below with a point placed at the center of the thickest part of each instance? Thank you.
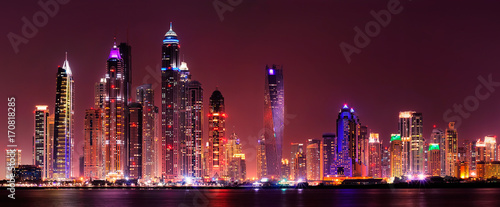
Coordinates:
(437, 137)
(313, 161)
(490, 143)
(115, 119)
(170, 101)
(386, 162)
(49, 148)
(301, 164)
(261, 159)
(145, 97)
(216, 134)
(100, 94)
(396, 155)
(451, 149)
(329, 148)
(41, 138)
(347, 143)
(194, 129)
(375, 156)
(92, 150)
(362, 152)
(434, 159)
(274, 112)
(233, 147)
(63, 123)
(411, 131)
(135, 149)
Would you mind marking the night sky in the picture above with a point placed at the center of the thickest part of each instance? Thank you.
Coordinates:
(427, 58)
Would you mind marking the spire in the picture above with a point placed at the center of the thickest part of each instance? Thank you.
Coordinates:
(115, 52)
(66, 65)
(170, 32)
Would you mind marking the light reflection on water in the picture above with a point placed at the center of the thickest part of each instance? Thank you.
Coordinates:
(254, 197)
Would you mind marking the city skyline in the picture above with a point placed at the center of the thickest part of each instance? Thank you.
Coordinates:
(295, 118)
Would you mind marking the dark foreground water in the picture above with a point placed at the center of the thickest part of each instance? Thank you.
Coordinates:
(252, 197)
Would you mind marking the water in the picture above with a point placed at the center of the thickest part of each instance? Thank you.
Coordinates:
(252, 197)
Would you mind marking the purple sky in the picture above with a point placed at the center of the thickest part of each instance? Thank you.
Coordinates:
(426, 59)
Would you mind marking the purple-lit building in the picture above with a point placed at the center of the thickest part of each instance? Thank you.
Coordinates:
(329, 148)
(347, 135)
(274, 116)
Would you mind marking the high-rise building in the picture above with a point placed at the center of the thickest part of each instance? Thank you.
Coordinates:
(261, 159)
(115, 105)
(375, 156)
(216, 134)
(434, 159)
(437, 136)
(49, 149)
(451, 149)
(285, 169)
(490, 143)
(145, 97)
(329, 148)
(63, 123)
(135, 141)
(170, 101)
(386, 162)
(300, 164)
(347, 143)
(41, 138)
(239, 170)
(274, 117)
(100, 94)
(313, 161)
(233, 147)
(396, 155)
(12, 161)
(362, 152)
(411, 131)
(92, 150)
(293, 152)
(194, 130)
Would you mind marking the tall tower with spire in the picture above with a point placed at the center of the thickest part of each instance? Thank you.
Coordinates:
(63, 123)
(115, 103)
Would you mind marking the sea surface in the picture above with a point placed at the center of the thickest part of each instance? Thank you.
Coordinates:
(252, 197)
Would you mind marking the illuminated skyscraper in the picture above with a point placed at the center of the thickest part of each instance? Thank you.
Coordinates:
(329, 148)
(41, 138)
(313, 161)
(63, 123)
(437, 137)
(300, 164)
(216, 134)
(362, 152)
(347, 143)
(434, 159)
(194, 130)
(135, 141)
(261, 159)
(49, 148)
(411, 131)
(375, 156)
(170, 104)
(386, 162)
(285, 169)
(92, 150)
(274, 117)
(115, 118)
(396, 155)
(490, 143)
(145, 97)
(451, 149)
(233, 147)
(100, 94)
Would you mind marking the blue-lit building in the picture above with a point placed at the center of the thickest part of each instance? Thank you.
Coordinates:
(181, 102)
(329, 149)
(347, 143)
(274, 112)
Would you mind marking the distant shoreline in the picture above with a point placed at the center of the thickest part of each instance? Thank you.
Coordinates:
(376, 186)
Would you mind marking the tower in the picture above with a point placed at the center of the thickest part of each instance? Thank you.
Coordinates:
(63, 123)
(145, 97)
(274, 112)
(347, 143)
(41, 138)
(216, 134)
(329, 148)
(451, 148)
(92, 150)
(411, 131)
(396, 152)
